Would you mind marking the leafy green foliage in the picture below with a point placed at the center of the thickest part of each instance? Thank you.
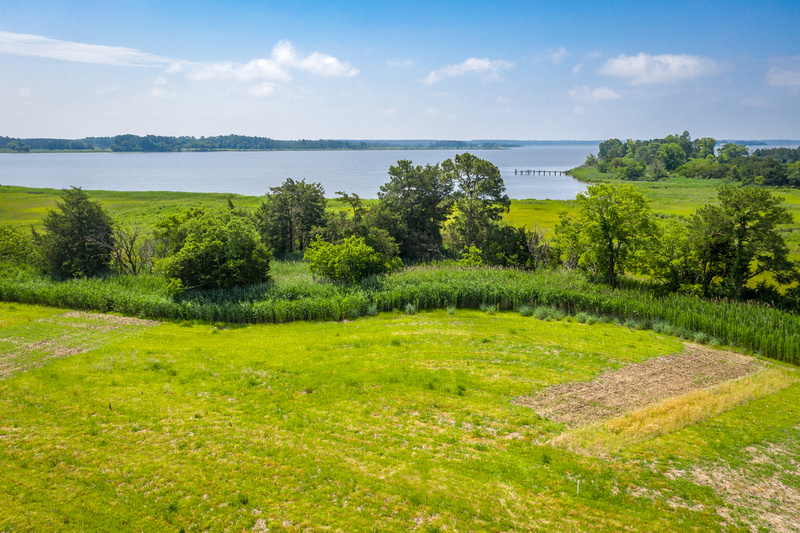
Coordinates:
(15, 246)
(613, 223)
(290, 215)
(349, 261)
(221, 250)
(414, 204)
(480, 196)
(79, 238)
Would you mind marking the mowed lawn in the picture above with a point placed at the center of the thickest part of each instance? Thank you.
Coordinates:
(396, 422)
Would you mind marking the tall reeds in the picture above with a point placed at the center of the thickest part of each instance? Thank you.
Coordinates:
(297, 296)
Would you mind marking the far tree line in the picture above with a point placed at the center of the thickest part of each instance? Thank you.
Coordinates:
(639, 160)
(161, 143)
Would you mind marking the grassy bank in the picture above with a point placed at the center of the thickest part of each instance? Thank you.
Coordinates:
(395, 423)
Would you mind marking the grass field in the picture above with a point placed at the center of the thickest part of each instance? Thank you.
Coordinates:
(397, 422)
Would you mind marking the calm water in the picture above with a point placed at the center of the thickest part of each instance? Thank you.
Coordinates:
(252, 173)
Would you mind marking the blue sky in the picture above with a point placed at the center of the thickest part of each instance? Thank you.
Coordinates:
(400, 70)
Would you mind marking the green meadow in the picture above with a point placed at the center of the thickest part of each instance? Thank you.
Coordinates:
(407, 404)
(395, 422)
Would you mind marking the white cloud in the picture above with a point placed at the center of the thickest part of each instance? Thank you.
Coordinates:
(666, 68)
(277, 67)
(585, 94)
(503, 100)
(557, 56)
(37, 46)
(490, 68)
(785, 73)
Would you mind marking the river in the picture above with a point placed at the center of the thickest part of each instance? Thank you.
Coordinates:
(252, 173)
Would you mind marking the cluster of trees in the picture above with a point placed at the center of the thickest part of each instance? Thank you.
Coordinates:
(699, 158)
(716, 252)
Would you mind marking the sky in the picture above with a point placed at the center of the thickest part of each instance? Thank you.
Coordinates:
(400, 70)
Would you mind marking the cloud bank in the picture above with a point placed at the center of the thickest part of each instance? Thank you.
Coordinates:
(666, 68)
(585, 94)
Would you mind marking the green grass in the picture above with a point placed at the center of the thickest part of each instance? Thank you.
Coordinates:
(394, 422)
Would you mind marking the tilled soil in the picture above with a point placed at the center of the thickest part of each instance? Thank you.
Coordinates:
(616, 392)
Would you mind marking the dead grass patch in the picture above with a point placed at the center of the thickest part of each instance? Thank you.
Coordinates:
(761, 501)
(634, 386)
(64, 337)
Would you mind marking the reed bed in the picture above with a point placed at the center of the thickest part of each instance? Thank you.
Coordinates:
(295, 295)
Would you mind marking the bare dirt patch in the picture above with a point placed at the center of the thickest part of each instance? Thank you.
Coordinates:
(110, 319)
(637, 385)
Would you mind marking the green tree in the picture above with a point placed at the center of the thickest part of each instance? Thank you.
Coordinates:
(614, 222)
(221, 250)
(71, 247)
(417, 201)
(739, 240)
(672, 155)
(289, 215)
(480, 197)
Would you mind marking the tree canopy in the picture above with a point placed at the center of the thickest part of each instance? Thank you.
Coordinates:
(77, 238)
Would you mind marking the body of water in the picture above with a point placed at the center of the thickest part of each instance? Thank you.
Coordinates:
(253, 173)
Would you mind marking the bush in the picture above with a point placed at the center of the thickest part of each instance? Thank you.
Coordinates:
(350, 261)
(222, 250)
(15, 246)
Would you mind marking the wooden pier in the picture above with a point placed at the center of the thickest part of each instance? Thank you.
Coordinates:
(540, 172)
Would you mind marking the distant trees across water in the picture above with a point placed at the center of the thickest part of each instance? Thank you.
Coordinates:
(159, 143)
(679, 155)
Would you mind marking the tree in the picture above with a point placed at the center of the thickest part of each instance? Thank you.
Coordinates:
(417, 202)
(613, 223)
(672, 156)
(738, 239)
(222, 250)
(480, 197)
(289, 214)
(71, 248)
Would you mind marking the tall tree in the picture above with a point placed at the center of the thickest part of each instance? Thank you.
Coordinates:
(738, 239)
(289, 213)
(480, 195)
(613, 223)
(71, 248)
(417, 200)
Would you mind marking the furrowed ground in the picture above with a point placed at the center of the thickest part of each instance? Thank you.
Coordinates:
(426, 422)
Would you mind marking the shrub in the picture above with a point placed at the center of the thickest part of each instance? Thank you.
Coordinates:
(350, 261)
(222, 250)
